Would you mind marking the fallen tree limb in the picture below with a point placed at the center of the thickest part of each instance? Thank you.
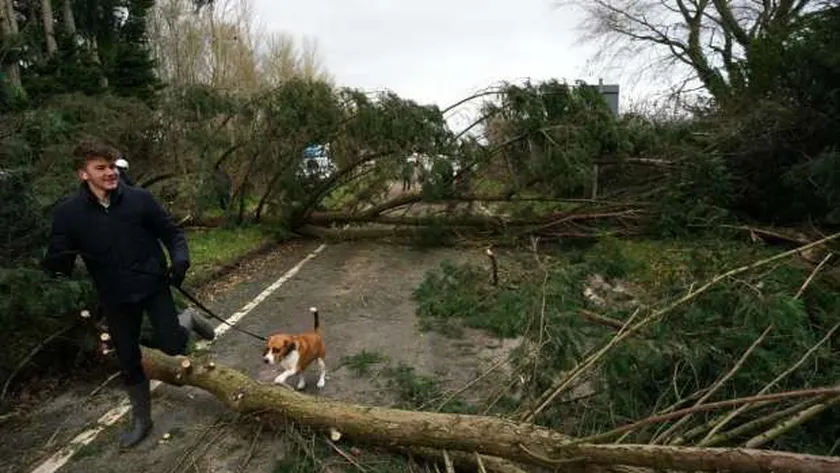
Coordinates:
(548, 396)
(712, 406)
(490, 222)
(600, 319)
(519, 441)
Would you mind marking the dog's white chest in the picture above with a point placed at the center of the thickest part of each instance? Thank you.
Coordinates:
(290, 362)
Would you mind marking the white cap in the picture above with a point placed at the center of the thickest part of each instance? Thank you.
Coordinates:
(122, 163)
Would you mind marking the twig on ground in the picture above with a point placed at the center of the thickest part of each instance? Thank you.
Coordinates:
(189, 451)
(31, 355)
(447, 462)
(578, 370)
(345, 455)
(301, 443)
(250, 453)
(811, 276)
(103, 384)
(480, 463)
(767, 387)
(716, 386)
(499, 394)
(9, 415)
(470, 384)
(790, 423)
(600, 319)
(542, 327)
(763, 231)
(73, 414)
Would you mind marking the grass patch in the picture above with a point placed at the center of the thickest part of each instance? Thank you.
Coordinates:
(213, 249)
(460, 294)
(361, 364)
(416, 391)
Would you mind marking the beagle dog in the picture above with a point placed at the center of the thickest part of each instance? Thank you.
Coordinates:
(295, 352)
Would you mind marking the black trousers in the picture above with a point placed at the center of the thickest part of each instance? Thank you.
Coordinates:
(124, 323)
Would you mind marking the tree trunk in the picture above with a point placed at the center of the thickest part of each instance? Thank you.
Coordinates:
(49, 26)
(94, 51)
(9, 29)
(264, 199)
(69, 19)
(522, 442)
(479, 221)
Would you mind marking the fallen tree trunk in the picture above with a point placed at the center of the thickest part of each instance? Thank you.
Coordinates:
(522, 442)
(480, 221)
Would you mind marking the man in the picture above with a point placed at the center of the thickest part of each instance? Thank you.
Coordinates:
(122, 166)
(117, 230)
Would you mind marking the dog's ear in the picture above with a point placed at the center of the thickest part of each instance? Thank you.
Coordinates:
(290, 347)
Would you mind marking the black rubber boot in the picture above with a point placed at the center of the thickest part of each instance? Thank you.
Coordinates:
(191, 320)
(141, 415)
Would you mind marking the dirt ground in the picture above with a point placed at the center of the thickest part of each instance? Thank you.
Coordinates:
(364, 294)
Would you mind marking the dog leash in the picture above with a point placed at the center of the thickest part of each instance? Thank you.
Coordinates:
(189, 296)
(212, 314)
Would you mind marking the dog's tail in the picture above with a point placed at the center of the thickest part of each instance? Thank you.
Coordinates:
(315, 315)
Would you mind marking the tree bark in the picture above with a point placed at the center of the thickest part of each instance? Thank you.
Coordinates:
(522, 442)
(49, 26)
(69, 19)
(480, 221)
(267, 194)
(9, 28)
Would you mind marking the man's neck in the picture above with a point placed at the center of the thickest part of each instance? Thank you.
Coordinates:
(101, 195)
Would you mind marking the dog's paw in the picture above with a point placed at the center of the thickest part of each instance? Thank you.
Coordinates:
(301, 383)
(320, 383)
(280, 379)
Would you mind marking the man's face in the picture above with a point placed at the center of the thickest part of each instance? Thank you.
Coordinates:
(101, 174)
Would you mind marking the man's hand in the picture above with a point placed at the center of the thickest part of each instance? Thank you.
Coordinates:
(177, 272)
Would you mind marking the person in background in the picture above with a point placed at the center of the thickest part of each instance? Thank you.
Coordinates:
(118, 230)
(122, 167)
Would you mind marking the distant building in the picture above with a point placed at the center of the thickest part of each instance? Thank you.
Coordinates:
(610, 94)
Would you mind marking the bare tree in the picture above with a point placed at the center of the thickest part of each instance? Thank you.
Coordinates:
(68, 18)
(219, 46)
(283, 58)
(706, 39)
(49, 26)
(9, 29)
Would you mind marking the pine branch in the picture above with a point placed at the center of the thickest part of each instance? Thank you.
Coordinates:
(766, 388)
(708, 407)
(552, 393)
(716, 386)
(756, 423)
(790, 423)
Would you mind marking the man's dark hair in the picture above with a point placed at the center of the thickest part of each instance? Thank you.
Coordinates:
(88, 150)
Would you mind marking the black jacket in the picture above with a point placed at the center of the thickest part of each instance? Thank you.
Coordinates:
(120, 245)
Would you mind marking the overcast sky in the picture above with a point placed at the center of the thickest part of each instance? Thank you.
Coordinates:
(438, 50)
